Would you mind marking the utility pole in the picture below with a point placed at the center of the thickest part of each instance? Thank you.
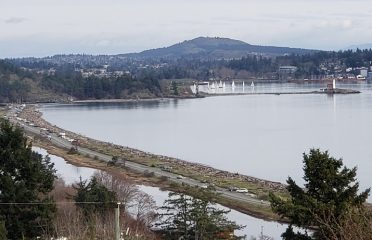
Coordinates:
(262, 236)
(117, 223)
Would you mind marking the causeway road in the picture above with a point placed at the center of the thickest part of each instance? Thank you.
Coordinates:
(63, 143)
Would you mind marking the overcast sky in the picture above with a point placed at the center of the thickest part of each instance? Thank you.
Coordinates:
(47, 27)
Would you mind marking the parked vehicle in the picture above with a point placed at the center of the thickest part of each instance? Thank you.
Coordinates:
(242, 190)
(166, 168)
(232, 189)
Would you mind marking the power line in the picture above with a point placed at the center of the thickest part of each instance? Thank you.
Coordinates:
(49, 203)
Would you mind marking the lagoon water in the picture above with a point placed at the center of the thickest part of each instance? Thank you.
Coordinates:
(258, 135)
(253, 226)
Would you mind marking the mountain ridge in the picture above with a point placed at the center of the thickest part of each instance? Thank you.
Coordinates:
(216, 47)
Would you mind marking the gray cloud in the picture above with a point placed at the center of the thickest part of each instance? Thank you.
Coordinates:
(44, 27)
(14, 20)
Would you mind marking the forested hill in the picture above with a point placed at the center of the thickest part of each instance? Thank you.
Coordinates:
(14, 83)
(21, 85)
(216, 48)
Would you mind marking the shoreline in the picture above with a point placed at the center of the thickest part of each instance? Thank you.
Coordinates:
(258, 188)
(121, 100)
(204, 94)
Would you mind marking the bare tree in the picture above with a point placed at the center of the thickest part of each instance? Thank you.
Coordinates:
(71, 222)
(355, 224)
(145, 208)
(125, 189)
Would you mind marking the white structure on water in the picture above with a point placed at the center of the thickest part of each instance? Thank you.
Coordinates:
(363, 71)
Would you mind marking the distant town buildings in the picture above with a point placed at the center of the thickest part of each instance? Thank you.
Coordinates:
(287, 69)
(286, 72)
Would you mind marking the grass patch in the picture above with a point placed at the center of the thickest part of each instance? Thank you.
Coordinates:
(259, 211)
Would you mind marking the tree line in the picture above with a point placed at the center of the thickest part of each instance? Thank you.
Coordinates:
(16, 85)
(73, 84)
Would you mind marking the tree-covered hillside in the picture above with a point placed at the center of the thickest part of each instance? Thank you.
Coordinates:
(216, 48)
(67, 81)
(13, 83)
(20, 85)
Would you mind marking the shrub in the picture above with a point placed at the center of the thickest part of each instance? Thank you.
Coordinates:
(146, 173)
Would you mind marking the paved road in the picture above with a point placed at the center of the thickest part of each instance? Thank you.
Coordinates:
(60, 142)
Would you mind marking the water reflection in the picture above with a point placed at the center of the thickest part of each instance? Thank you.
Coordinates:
(260, 87)
(72, 174)
(68, 172)
(129, 105)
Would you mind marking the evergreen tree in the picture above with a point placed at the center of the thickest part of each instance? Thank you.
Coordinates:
(93, 197)
(195, 218)
(330, 190)
(95, 200)
(26, 178)
(175, 88)
(177, 222)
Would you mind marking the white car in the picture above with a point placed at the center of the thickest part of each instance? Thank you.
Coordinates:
(242, 190)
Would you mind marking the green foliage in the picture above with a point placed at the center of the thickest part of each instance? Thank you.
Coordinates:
(3, 231)
(148, 174)
(12, 85)
(329, 188)
(26, 177)
(94, 198)
(93, 87)
(195, 217)
(15, 84)
(253, 64)
(113, 161)
(72, 151)
(175, 88)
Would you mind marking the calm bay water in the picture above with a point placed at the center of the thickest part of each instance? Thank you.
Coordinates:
(258, 135)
